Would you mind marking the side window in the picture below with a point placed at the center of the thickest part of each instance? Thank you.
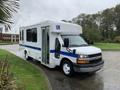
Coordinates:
(22, 35)
(28, 36)
(34, 34)
(31, 35)
(57, 48)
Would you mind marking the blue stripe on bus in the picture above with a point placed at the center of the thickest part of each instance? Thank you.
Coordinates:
(53, 51)
(30, 47)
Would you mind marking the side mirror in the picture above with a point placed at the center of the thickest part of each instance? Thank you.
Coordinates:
(66, 42)
(74, 51)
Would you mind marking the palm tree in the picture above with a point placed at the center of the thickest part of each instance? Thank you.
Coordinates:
(7, 8)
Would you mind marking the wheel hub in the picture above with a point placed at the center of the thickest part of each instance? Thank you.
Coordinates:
(66, 68)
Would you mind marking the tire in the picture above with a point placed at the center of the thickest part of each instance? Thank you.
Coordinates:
(67, 68)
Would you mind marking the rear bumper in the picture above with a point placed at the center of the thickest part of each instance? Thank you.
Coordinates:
(88, 67)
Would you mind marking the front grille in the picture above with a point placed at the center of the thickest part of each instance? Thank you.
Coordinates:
(94, 55)
(95, 61)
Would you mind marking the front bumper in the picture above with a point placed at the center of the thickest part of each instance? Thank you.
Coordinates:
(88, 67)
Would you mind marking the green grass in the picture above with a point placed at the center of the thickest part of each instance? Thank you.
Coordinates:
(108, 46)
(26, 74)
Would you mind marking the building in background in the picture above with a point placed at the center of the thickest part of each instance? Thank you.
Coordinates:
(8, 35)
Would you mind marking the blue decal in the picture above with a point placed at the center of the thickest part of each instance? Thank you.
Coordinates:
(65, 53)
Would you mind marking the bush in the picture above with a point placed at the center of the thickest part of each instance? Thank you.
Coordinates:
(117, 39)
(6, 78)
(107, 41)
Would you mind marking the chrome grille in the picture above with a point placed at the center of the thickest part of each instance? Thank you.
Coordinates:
(95, 58)
(94, 55)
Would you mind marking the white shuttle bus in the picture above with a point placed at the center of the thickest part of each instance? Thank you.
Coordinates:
(60, 44)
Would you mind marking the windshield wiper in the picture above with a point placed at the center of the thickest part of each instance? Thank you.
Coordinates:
(74, 45)
(84, 45)
(79, 45)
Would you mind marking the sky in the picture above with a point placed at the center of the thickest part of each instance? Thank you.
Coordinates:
(35, 11)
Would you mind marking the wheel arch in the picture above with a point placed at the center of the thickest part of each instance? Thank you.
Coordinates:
(64, 59)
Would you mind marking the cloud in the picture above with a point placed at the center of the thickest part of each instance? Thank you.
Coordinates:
(34, 11)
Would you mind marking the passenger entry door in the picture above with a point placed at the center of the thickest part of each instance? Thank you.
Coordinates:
(45, 45)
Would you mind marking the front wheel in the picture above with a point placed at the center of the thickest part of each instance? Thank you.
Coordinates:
(67, 68)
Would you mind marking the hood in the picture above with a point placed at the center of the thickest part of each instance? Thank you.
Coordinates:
(87, 50)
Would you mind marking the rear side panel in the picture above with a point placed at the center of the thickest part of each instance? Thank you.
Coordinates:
(33, 48)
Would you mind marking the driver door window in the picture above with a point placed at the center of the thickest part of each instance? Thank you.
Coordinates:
(57, 48)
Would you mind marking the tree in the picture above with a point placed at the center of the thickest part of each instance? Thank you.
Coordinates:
(106, 24)
(7, 8)
(117, 19)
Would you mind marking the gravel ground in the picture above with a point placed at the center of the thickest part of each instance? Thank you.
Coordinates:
(106, 79)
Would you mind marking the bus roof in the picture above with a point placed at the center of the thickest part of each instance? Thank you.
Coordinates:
(59, 27)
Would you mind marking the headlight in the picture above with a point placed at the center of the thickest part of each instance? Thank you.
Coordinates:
(82, 59)
(83, 56)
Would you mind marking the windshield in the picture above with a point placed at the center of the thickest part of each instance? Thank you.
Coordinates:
(75, 40)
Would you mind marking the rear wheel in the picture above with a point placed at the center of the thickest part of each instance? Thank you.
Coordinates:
(26, 55)
(67, 68)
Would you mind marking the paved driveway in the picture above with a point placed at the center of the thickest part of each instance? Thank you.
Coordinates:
(106, 79)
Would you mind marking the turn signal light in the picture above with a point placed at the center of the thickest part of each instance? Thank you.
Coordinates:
(82, 62)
